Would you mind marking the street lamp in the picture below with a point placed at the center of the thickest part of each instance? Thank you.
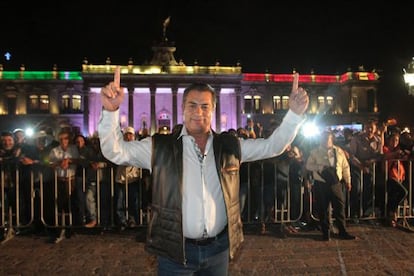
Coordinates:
(409, 77)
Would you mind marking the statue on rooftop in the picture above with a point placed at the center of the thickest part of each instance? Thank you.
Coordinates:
(164, 29)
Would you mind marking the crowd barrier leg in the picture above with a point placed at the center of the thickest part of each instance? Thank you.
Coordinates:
(248, 198)
(17, 203)
(112, 214)
(3, 200)
(58, 221)
(9, 231)
(405, 213)
(406, 210)
(272, 198)
(7, 226)
(98, 200)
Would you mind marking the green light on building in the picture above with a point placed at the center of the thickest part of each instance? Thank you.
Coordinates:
(40, 75)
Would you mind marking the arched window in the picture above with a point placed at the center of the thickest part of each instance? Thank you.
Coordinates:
(71, 102)
(329, 100)
(277, 103)
(77, 102)
(257, 104)
(252, 104)
(11, 105)
(247, 104)
(321, 103)
(65, 102)
(38, 103)
(285, 102)
(164, 120)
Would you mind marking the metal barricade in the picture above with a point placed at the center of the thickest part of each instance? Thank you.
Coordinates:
(104, 191)
(272, 198)
(272, 195)
(365, 201)
(17, 201)
(370, 200)
(405, 210)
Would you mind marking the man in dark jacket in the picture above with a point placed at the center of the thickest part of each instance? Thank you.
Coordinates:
(9, 160)
(195, 222)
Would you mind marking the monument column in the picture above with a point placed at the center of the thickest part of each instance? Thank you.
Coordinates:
(238, 105)
(174, 105)
(218, 110)
(86, 108)
(153, 114)
(131, 106)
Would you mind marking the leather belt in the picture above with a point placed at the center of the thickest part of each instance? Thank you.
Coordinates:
(207, 241)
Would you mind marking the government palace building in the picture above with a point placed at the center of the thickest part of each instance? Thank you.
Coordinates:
(55, 99)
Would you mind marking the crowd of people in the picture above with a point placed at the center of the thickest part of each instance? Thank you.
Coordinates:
(62, 175)
(373, 180)
(78, 162)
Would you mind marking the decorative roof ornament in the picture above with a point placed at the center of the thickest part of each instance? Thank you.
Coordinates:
(164, 51)
(164, 29)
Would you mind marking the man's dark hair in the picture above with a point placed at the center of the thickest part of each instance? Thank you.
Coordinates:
(200, 87)
(7, 133)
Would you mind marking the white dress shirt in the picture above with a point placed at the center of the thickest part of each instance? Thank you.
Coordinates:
(57, 154)
(204, 212)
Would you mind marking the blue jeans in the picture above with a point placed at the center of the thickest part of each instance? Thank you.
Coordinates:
(212, 259)
(91, 200)
(121, 202)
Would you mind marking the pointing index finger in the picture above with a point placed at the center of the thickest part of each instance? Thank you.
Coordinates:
(117, 76)
(295, 84)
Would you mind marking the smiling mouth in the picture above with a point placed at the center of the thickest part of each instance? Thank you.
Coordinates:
(197, 119)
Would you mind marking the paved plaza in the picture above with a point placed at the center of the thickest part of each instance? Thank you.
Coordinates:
(378, 250)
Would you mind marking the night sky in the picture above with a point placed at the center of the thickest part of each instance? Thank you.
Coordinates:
(271, 36)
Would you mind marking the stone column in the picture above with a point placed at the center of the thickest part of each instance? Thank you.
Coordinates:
(86, 114)
(153, 114)
(174, 105)
(131, 106)
(238, 106)
(218, 110)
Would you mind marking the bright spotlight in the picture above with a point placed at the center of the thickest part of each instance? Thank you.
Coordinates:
(310, 129)
(29, 132)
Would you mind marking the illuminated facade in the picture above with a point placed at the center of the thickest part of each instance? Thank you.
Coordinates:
(153, 97)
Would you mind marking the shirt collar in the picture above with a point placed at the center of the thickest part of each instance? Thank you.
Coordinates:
(185, 133)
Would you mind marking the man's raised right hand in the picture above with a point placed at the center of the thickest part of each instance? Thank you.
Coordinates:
(112, 94)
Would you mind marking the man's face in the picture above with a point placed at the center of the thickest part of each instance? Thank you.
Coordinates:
(19, 137)
(80, 142)
(197, 112)
(371, 129)
(64, 140)
(129, 136)
(7, 142)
